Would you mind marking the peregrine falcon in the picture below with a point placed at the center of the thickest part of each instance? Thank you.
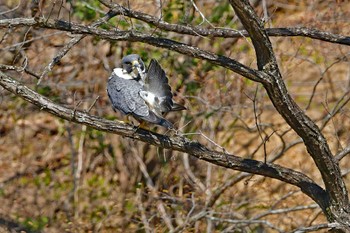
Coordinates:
(146, 95)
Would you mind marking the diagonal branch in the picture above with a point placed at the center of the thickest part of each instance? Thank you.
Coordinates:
(314, 140)
(118, 35)
(76, 39)
(224, 32)
(311, 33)
(254, 26)
(205, 32)
(177, 142)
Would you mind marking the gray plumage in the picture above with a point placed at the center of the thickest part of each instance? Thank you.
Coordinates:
(144, 95)
(157, 92)
(134, 66)
(125, 97)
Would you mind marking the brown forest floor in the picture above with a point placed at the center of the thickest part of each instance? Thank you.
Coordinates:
(39, 153)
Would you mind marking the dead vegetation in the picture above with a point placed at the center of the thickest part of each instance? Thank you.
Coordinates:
(59, 176)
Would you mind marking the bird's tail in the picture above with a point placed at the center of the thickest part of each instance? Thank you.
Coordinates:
(166, 124)
(177, 107)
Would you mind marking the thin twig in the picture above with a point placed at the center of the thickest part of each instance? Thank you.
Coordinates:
(246, 222)
(93, 104)
(144, 219)
(315, 228)
(151, 186)
(57, 58)
(204, 19)
(24, 42)
(191, 175)
(282, 211)
(342, 153)
(11, 10)
(73, 194)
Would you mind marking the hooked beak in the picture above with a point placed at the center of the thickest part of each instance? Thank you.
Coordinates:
(137, 65)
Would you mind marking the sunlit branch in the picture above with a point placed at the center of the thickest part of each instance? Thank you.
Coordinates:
(176, 142)
(225, 32)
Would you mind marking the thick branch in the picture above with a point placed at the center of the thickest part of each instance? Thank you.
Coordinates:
(178, 143)
(251, 22)
(314, 140)
(224, 32)
(149, 39)
(311, 33)
(206, 32)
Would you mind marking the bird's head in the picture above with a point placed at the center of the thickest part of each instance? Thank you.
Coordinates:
(133, 65)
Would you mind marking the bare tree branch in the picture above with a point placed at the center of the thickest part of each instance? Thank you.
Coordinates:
(286, 210)
(225, 32)
(342, 153)
(70, 44)
(134, 36)
(333, 200)
(246, 222)
(314, 140)
(199, 31)
(177, 142)
(316, 227)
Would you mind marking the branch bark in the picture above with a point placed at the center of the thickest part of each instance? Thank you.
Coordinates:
(315, 142)
(224, 32)
(177, 142)
(133, 36)
(71, 43)
(205, 32)
(334, 201)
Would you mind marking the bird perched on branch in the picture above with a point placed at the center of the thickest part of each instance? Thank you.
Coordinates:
(144, 94)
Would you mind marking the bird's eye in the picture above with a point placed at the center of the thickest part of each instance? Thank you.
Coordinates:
(128, 63)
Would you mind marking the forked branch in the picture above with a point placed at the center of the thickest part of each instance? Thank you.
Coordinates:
(313, 138)
(176, 142)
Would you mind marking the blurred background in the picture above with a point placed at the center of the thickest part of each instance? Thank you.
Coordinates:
(58, 176)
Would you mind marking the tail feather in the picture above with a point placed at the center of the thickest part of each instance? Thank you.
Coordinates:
(177, 107)
(154, 119)
(166, 124)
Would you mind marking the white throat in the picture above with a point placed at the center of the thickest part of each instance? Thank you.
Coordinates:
(122, 73)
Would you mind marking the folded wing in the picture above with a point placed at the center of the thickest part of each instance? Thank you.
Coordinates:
(157, 92)
(124, 95)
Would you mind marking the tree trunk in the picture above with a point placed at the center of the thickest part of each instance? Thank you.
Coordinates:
(337, 207)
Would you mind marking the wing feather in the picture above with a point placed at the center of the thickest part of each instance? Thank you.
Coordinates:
(156, 82)
(125, 97)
